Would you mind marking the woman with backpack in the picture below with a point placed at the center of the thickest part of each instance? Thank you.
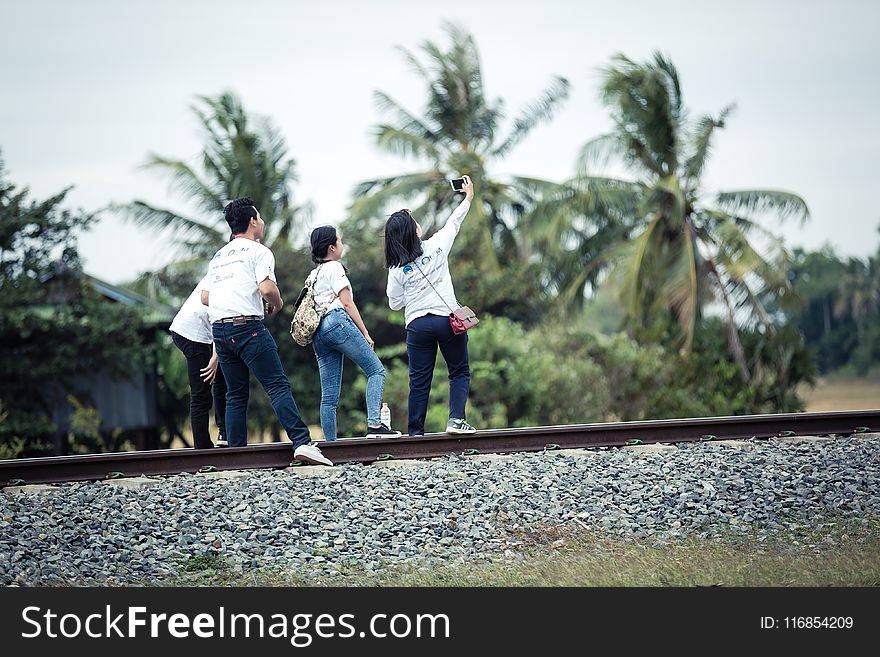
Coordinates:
(419, 280)
(342, 332)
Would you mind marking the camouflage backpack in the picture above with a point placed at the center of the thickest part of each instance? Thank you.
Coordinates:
(306, 318)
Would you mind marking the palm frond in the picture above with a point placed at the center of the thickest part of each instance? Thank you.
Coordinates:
(166, 221)
(372, 197)
(646, 102)
(734, 344)
(188, 182)
(413, 61)
(539, 110)
(405, 144)
(783, 204)
(633, 272)
(741, 262)
(701, 143)
(406, 122)
(597, 154)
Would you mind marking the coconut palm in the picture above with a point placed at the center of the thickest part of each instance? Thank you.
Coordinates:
(858, 293)
(681, 252)
(243, 156)
(458, 132)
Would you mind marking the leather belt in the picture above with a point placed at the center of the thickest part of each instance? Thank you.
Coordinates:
(240, 319)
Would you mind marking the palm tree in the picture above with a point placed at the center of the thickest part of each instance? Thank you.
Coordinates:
(243, 156)
(858, 293)
(459, 132)
(678, 253)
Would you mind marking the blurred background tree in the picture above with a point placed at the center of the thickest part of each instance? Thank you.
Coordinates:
(57, 331)
(673, 255)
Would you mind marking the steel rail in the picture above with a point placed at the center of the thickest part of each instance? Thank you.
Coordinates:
(57, 469)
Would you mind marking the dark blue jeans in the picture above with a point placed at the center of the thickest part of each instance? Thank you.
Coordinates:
(423, 336)
(246, 348)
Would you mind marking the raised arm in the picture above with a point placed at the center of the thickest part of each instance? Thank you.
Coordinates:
(446, 235)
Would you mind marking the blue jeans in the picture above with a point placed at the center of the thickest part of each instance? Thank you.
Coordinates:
(338, 336)
(246, 348)
(423, 336)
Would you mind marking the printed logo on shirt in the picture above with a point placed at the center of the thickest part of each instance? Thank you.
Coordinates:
(223, 277)
(409, 270)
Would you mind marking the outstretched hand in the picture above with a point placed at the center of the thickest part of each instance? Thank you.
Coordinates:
(468, 188)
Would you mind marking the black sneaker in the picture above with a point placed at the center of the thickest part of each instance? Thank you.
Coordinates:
(221, 442)
(382, 431)
(455, 425)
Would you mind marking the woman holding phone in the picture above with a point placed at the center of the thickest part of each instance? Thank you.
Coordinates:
(419, 281)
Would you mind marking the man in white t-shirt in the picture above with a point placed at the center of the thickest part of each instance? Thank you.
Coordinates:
(240, 277)
(191, 333)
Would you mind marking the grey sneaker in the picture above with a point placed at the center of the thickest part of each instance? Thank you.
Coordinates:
(456, 425)
(382, 431)
(310, 454)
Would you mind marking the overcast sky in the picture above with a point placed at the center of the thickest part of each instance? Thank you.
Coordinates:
(91, 87)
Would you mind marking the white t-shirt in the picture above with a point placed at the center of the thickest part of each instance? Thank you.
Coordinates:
(331, 280)
(234, 277)
(408, 288)
(191, 321)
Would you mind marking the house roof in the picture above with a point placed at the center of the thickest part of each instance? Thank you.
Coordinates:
(155, 313)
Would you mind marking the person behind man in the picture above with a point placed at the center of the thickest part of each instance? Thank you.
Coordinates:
(191, 333)
(419, 280)
(342, 332)
(240, 277)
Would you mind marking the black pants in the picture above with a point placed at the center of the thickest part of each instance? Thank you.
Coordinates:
(423, 336)
(197, 356)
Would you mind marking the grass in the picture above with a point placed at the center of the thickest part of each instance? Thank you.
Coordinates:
(842, 394)
(844, 553)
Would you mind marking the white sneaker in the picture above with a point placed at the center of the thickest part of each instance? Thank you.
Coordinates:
(456, 425)
(310, 454)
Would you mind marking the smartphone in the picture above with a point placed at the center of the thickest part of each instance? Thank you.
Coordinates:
(457, 184)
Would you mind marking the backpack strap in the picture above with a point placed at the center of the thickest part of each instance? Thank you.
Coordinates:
(313, 283)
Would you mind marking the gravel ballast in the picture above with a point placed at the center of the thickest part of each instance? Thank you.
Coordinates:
(452, 509)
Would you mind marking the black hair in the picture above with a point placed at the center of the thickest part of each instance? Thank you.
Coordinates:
(239, 214)
(402, 243)
(322, 238)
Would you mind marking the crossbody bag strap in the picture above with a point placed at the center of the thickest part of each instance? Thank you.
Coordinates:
(432, 287)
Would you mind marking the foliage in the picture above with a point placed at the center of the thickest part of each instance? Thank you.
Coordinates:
(559, 373)
(840, 315)
(244, 156)
(459, 131)
(676, 254)
(53, 326)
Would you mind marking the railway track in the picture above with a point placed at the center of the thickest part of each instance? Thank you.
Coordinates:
(58, 469)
